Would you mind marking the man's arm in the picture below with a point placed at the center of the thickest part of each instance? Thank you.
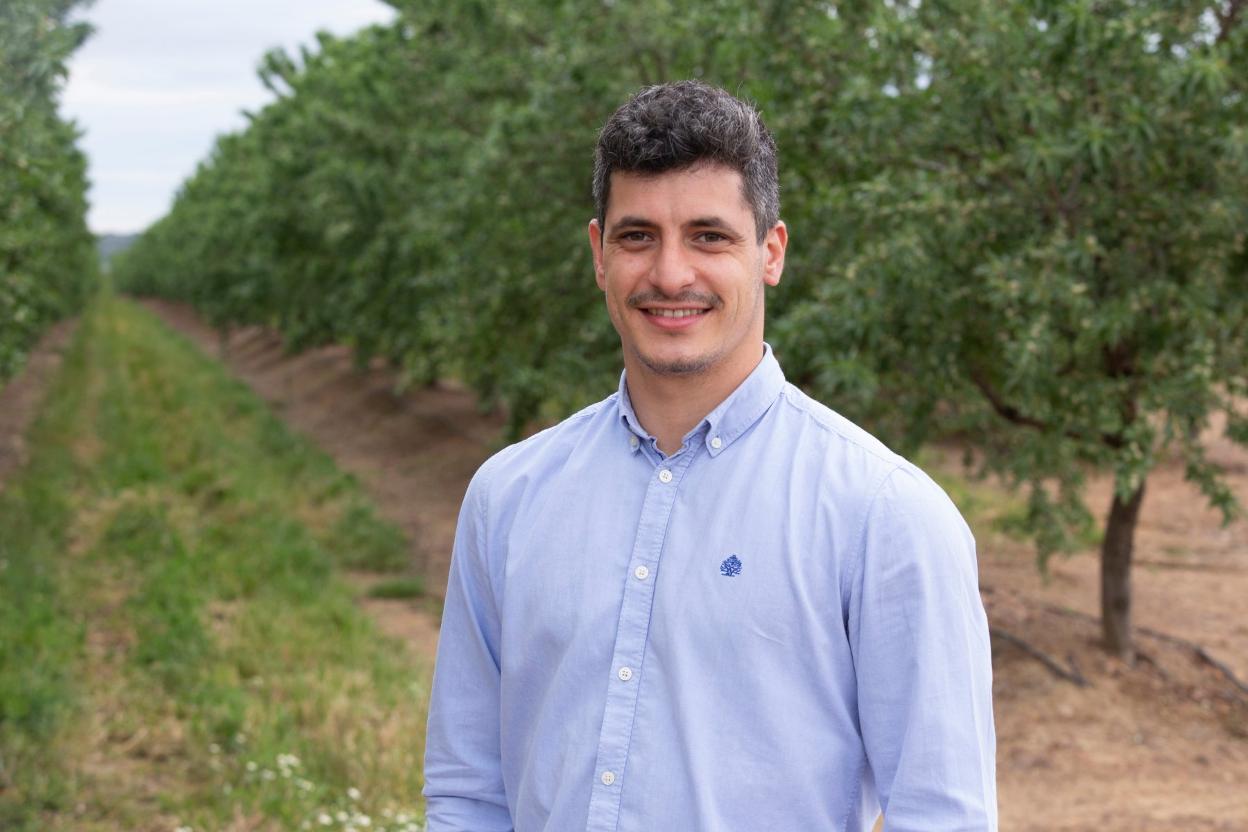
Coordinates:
(463, 767)
(924, 664)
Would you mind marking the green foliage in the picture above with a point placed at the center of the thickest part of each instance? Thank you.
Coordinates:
(1050, 255)
(419, 191)
(1020, 222)
(361, 540)
(47, 255)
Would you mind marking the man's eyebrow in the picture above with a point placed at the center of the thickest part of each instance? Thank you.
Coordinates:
(709, 222)
(632, 222)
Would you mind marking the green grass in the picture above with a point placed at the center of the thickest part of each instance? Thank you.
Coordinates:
(398, 588)
(175, 646)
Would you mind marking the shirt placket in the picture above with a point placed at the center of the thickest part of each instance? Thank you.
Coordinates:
(627, 659)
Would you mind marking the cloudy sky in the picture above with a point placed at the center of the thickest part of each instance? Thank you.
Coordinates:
(160, 79)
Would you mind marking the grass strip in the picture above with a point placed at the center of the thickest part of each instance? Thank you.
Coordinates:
(213, 672)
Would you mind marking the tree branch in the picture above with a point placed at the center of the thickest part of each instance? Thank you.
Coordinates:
(1012, 414)
(1200, 652)
(1072, 675)
(1228, 18)
(1005, 410)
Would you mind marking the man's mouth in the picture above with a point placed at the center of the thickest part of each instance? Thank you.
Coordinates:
(675, 313)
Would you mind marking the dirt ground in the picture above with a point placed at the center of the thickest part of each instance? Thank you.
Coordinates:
(22, 397)
(1162, 745)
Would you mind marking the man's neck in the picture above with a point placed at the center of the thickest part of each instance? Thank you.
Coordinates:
(669, 406)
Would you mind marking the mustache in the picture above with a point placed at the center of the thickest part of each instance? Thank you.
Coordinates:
(700, 298)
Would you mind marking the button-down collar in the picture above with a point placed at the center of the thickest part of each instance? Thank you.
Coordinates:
(731, 418)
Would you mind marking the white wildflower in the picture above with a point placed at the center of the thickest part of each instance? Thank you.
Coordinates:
(353, 793)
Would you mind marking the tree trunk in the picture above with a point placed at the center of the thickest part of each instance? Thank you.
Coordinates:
(1116, 574)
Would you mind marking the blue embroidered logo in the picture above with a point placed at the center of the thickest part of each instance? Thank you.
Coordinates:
(731, 567)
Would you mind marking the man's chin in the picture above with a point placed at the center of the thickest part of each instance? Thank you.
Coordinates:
(678, 365)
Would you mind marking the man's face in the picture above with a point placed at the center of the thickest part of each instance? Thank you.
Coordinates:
(683, 271)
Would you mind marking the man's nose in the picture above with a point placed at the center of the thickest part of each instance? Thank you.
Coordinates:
(673, 269)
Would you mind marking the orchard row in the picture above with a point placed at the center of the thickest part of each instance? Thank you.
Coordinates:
(47, 255)
(1019, 223)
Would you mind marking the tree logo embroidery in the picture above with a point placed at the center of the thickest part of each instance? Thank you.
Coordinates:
(731, 567)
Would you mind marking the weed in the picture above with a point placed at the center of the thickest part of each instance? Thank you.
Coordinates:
(398, 588)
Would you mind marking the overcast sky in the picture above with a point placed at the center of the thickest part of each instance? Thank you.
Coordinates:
(160, 79)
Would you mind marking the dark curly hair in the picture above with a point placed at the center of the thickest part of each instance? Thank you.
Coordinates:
(680, 125)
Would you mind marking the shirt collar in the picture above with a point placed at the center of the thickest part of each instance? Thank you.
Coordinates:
(731, 418)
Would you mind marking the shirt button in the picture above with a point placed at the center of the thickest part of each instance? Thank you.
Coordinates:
(625, 674)
(633, 442)
(641, 573)
(608, 777)
(665, 475)
(716, 442)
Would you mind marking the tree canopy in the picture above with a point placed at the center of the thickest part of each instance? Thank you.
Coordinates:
(1019, 223)
(1052, 255)
(47, 255)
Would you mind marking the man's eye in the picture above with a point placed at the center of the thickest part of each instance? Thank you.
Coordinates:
(711, 237)
(634, 237)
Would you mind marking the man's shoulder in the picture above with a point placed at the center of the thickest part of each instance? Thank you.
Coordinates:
(877, 470)
(535, 455)
(837, 435)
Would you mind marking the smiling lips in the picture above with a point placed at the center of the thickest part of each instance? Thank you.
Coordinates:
(674, 318)
(674, 313)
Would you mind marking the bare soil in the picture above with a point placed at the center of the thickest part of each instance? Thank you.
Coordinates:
(22, 397)
(1160, 745)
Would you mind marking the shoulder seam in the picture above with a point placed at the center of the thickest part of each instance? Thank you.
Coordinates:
(892, 458)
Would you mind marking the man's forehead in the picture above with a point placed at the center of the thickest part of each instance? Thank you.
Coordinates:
(705, 171)
(705, 189)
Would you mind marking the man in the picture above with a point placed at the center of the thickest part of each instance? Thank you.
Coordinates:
(706, 602)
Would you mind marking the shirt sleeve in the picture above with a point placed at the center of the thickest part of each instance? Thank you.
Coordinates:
(919, 637)
(463, 768)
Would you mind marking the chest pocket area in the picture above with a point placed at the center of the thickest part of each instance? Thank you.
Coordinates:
(728, 606)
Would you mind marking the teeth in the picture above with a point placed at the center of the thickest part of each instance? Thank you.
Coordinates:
(675, 313)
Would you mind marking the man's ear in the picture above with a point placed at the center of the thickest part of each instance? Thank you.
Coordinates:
(774, 244)
(595, 246)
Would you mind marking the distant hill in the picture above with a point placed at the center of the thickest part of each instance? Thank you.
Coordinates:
(110, 244)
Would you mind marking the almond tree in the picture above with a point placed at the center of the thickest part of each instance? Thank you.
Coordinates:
(1050, 254)
(47, 256)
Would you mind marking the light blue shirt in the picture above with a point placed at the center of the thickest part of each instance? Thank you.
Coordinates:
(778, 628)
